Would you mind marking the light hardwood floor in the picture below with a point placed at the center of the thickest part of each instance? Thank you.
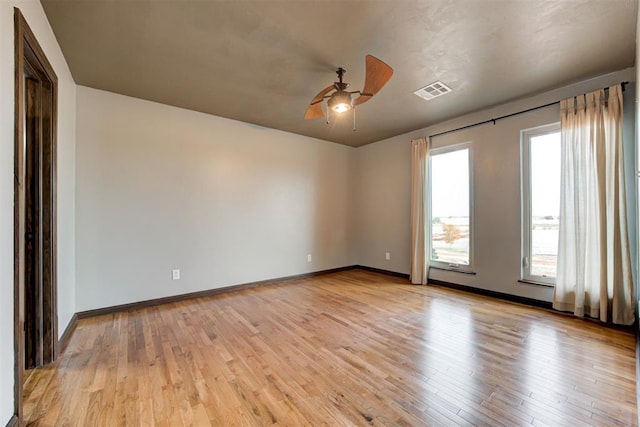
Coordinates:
(350, 348)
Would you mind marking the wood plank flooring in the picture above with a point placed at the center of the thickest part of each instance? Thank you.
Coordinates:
(350, 348)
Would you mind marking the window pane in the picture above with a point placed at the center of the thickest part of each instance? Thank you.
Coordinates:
(450, 207)
(545, 203)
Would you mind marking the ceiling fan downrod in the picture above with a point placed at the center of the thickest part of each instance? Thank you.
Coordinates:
(340, 85)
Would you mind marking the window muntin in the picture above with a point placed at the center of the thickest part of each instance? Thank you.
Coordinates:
(541, 203)
(450, 207)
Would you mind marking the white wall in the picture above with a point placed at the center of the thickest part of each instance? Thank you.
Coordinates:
(227, 202)
(630, 167)
(636, 260)
(33, 13)
(380, 213)
(383, 181)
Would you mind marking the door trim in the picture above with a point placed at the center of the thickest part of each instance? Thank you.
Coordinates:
(27, 49)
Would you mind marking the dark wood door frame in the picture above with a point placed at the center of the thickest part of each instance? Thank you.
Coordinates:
(35, 260)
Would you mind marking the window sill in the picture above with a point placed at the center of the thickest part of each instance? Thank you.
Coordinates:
(533, 282)
(454, 269)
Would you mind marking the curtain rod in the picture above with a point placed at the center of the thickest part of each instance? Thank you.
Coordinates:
(623, 84)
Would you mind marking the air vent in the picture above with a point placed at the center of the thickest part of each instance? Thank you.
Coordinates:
(433, 90)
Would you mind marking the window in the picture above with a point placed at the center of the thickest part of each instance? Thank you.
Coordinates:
(450, 207)
(541, 202)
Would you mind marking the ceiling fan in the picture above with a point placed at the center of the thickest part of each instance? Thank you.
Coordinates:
(377, 75)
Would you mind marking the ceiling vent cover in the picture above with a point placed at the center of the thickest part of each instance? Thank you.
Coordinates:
(433, 90)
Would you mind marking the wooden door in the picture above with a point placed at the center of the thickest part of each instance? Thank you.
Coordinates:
(35, 304)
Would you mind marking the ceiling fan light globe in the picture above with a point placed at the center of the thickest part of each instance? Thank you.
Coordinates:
(340, 101)
(341, 108)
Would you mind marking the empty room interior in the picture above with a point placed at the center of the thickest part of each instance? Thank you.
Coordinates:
(386, 213)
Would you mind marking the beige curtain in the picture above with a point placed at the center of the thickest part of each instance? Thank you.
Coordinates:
(594, 265)
(419, 211)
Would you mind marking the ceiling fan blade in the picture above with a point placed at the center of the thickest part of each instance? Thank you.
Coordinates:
(314, 110)
(377, 75)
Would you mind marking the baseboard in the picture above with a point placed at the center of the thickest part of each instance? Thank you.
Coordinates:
(201, 294)
(68, 332)
(381, 271)
(493, 294)
(13, 421)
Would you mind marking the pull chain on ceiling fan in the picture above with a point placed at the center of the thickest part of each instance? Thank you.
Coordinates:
(377, 75)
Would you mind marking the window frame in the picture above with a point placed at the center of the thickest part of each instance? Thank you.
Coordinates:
(463, 268)
(525, 261)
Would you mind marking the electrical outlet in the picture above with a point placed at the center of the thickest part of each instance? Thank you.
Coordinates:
(387, 256)
(175, 274)
(308, 257)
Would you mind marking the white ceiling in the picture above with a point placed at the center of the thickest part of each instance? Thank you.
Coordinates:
(263, 61)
